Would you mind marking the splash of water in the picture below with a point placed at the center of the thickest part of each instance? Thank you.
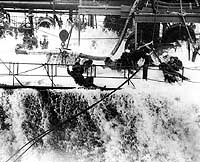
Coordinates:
(149, 124)
(127, 126)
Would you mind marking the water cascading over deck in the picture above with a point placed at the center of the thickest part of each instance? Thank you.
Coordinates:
(125, 127)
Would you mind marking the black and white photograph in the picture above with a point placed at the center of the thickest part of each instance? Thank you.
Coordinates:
(100, 81)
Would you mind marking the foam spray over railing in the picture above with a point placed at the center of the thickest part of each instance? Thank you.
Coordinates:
(134, 125)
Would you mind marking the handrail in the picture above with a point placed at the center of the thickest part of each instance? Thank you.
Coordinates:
(50, 71)
(56, 71)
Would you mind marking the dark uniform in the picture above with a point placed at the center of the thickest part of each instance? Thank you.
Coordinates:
(130, 59)
(171, 68)
(77, 74)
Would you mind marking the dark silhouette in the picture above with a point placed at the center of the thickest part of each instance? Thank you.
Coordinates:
(129, 59)
(171, 68)
(44, 44)
(87, 64)
(77, 75)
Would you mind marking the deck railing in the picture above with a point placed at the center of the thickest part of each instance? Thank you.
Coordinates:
(23, 74)
(55, 76)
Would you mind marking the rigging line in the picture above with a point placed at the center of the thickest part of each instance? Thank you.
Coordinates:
(70, 34)
(11, 72)
(48, 33)
(36, 139)
(184, 21)
(31, 69)
(49, 75)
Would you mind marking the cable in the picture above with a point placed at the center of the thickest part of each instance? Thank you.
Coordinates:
(48, 33)
(30, 70)
(36, 139)
(49, 75)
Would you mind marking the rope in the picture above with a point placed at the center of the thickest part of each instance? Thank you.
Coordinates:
(30, 70)
(36, 139)
(49, 75)
(70, 34)
(48, 33)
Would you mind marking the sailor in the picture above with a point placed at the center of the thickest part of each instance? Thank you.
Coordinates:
(130, 59)
(171, 68)
(126, 60)
(169, 76)
(87, 64)
(77, 74)
(175, 63)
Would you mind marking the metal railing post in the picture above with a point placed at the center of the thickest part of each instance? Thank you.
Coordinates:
(52, 77)
(13, 73)
(128, 77)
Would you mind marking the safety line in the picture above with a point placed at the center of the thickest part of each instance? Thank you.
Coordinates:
(49, 75)
(30, 70)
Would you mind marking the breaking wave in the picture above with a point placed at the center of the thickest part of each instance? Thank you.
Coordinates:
(127, 126)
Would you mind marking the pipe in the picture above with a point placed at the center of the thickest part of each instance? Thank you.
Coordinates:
(39, 5)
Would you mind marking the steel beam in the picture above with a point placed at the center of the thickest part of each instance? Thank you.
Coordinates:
(99, 10)
(59, 5)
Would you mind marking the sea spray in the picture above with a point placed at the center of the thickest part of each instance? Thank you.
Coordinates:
(127, 126)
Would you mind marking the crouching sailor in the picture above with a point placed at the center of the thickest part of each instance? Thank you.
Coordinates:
(171, 68)
(77, 75)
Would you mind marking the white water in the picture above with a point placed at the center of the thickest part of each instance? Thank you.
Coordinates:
(156, 122)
